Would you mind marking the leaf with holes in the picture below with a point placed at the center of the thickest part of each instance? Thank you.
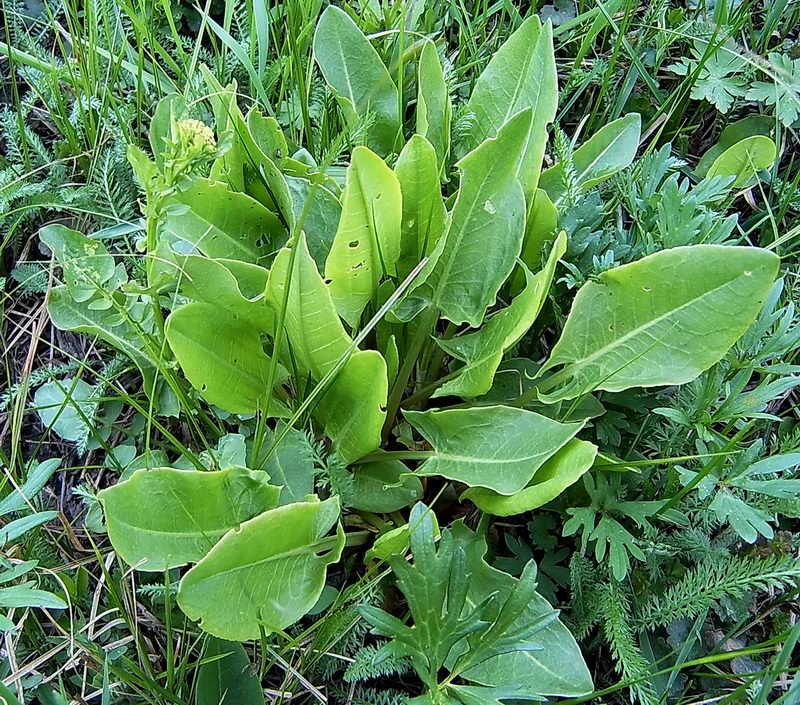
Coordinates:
(484, 237)
(367, 242)
(221, 223)
(222, 356)
(659, 321)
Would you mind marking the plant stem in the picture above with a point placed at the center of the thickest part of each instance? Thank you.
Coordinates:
(421, 335)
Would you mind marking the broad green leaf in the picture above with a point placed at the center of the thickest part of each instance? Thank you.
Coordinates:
(353, 410)
(221, 355)
(733, 133)
(322, 216)
(213, 281)
(551, 479)
(122, 326)
(744, 160)
(475, 622)
(291, 465)
(221, 223)
(659, 321)
(434, 111)
(65, 406)
(85, 262)
(170, 108)
(164, 518)
(424, 214)
(384, 486)
(8, 695)
(266, 574)
(483, 350)
(227, 677)
(266, 134)
(483, 240)
(367, 242)
(521, 74)
(496, 447)
(364, 89)
(555, 670)
(264, 147)
(599, 158)
(540, 226)
(317, 337)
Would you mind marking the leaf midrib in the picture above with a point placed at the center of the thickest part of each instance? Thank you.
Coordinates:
(578, 364)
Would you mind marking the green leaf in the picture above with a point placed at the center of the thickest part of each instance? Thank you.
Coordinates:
(484, 237)
(227, 677)
(170, 108)
(85, 262)
(19, 527)
(749, 522)
(65, 406)
(266, 574)
(364, 89)
(540, 226)
(659, 321)
(783, 90)
(483, 350)
(265, 147)
(8, 696)
(424, 214)
(556, 668)
(466, 447)
(24, 596)
(221, 355)
(367, 242)
(434, 110)
(215, 281)
(322, 216)
(353, 410)
(719, 79)
(291, 465)
(744, 160)
(598, 159)
(221, 223)
(435, 587)
(164, 518)
(37, 477)
(228, 167)
(551, 479)
(384, 486)
(733, 133)
(476, 622)
(521, 74)
(116, 327)
(317, 337)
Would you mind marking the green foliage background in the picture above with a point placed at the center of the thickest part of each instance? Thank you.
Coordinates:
(673, 561)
